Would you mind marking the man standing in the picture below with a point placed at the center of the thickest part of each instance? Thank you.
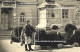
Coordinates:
(29, 31)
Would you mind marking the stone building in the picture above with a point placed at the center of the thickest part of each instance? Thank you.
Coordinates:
(14, 13)
(59, 12)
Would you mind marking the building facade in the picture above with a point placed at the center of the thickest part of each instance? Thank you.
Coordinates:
(60, 12)
(14, 13)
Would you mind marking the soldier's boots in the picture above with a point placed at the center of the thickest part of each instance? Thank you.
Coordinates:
(30, 49)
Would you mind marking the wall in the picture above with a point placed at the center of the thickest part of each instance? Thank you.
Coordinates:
(57, 16)
(30, 13)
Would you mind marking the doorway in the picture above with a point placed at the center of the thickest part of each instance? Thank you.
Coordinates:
(6, 18)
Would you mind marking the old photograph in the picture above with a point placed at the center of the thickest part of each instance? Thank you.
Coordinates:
(39, 25)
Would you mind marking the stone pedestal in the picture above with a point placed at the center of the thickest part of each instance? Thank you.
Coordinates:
(49, 15)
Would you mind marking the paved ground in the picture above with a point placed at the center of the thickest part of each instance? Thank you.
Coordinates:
(5, 46)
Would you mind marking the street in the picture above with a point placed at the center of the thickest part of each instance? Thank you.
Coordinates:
(5, 46)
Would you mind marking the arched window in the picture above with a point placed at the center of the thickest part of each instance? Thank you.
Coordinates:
(22, 17)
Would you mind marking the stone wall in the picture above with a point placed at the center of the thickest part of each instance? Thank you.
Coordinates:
(30, 13)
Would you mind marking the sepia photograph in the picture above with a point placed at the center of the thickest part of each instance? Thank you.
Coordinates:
(39, 25)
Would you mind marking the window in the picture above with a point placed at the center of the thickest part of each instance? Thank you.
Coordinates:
(22, 17)
(65, 13)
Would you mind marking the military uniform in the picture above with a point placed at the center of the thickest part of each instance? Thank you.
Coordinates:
(28, 33)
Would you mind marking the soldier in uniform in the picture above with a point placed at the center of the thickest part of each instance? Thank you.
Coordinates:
(29, 31)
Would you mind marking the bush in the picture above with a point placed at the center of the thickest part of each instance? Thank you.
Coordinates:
(17, 31)
(69, 28)
(41, 34)
(54, 36)
(49, 35)
(76, 37)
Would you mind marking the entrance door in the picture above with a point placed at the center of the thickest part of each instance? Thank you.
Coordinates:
(6, 18)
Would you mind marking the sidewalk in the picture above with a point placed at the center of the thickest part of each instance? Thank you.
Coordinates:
(5, 46)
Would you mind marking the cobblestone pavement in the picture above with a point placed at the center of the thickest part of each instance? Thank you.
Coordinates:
(5, 46)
